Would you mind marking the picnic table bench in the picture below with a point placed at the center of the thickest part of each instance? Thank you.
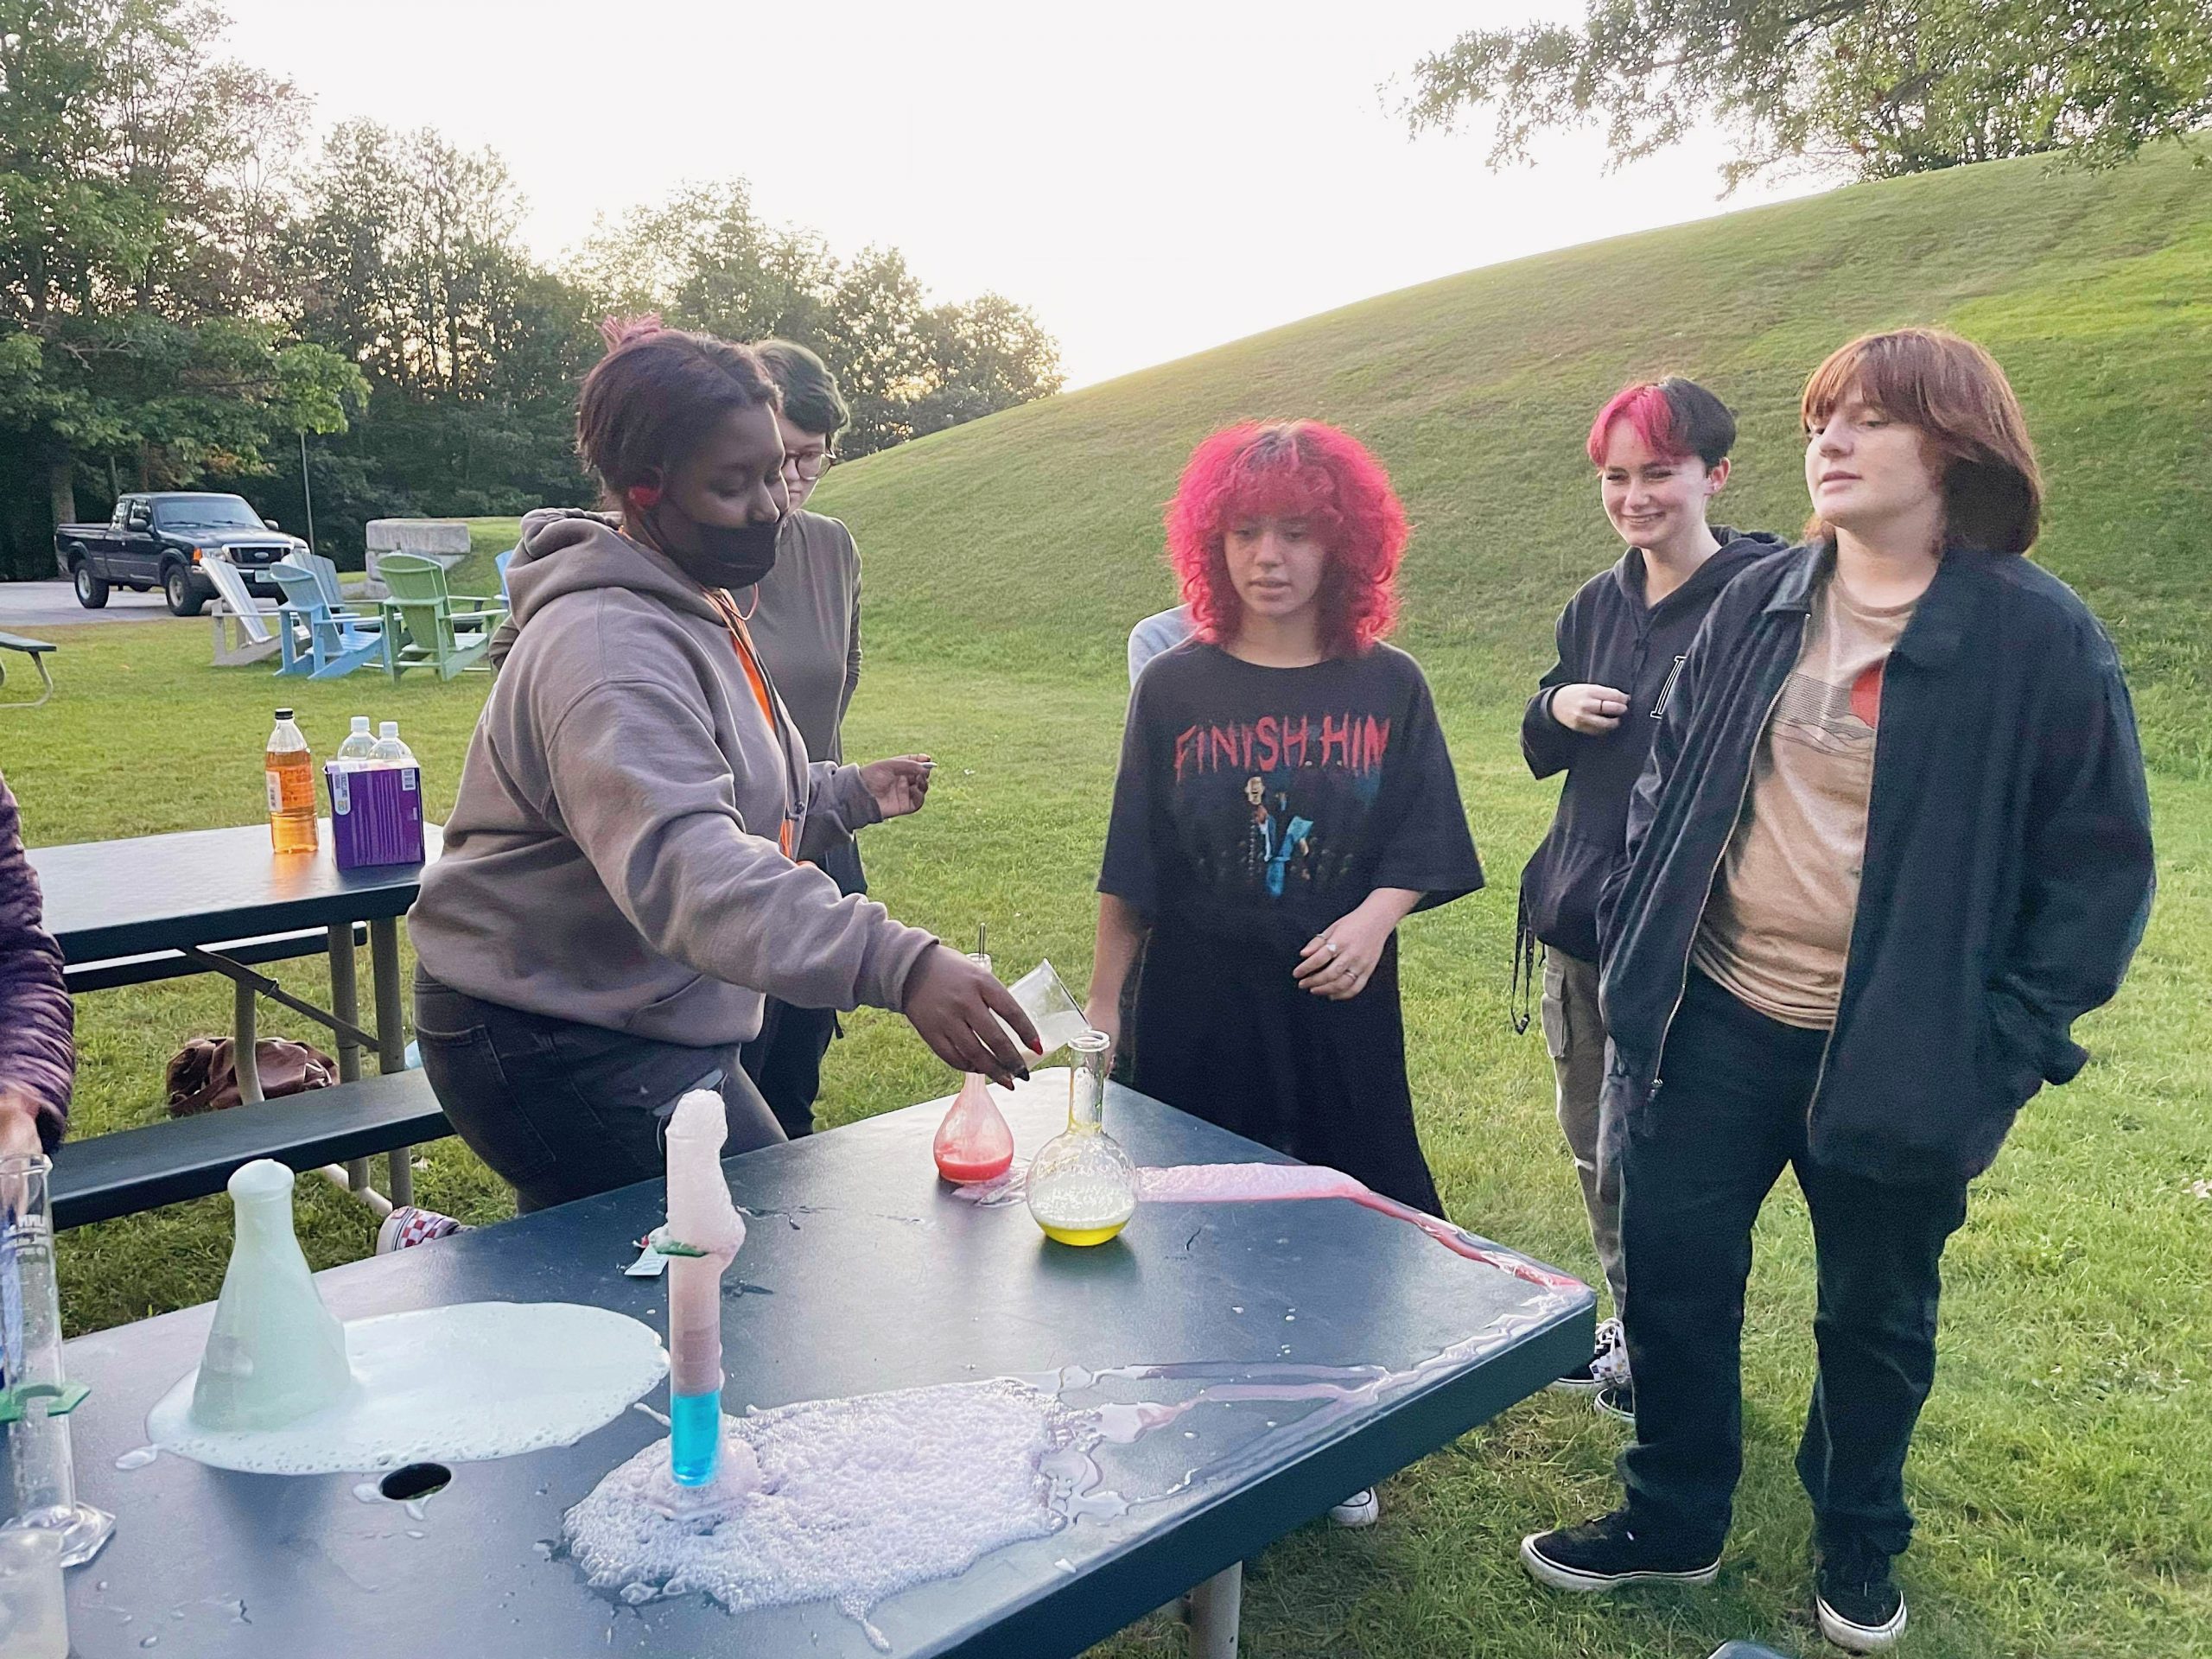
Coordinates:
(37, 650)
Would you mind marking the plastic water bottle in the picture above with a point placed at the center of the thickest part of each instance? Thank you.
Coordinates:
(389, 750)
(290, 771)
(360, 746)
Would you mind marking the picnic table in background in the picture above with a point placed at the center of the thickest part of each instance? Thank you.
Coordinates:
(861, 1273)
(37, 650)
(156, 907)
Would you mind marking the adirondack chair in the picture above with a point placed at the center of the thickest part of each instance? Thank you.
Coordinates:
(502, 562)
(425, 627)
(319, 640)
(242, 632)
(326, 578)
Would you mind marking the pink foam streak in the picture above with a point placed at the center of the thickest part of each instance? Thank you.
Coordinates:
(1250, 1183)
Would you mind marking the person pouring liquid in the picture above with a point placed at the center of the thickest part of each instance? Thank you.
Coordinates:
(618, 891)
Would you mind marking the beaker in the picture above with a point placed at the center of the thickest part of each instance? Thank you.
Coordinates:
(33, 1618)
(1052, 1009)
(1083, 1188)
(36, 1397)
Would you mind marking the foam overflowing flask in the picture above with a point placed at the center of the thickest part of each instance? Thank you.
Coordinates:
(1082, 1186)
(274, 1353)
(36, 1397)
(703, 1237)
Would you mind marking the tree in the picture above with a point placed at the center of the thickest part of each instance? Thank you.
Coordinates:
(984, 356)
(1868, 88)
(704, 259)
(407, 265)
(135, 202)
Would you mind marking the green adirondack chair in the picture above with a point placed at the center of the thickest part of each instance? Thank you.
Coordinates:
(425, 627)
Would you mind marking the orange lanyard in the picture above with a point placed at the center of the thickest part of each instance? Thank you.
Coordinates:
(756, 676)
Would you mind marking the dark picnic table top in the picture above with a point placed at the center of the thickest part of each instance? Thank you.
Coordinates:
(108, 899)
(861, 1273)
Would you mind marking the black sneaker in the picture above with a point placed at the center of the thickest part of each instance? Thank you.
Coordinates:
(1860, 1607)
(1608, 1553)
(1608, 1363)
(1616, 1400)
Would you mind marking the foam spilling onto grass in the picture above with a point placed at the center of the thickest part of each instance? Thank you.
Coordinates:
(856, 1499)
(459, 1384)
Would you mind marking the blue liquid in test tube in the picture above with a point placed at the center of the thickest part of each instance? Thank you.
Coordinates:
(694, 1436)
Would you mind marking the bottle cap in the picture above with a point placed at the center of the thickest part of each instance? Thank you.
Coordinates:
(390, 728)
(360, 722)
(283, 713)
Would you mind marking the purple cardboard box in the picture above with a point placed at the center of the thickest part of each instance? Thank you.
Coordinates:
(376, 814)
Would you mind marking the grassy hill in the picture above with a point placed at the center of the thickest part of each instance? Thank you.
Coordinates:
(2094, 290)
(2059, 1471)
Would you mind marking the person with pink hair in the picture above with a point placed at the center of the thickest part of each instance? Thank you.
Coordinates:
(1285, 799)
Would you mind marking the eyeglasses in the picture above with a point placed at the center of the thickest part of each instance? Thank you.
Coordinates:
(809, 466)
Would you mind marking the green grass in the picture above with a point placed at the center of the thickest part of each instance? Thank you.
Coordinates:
(2060, 1472)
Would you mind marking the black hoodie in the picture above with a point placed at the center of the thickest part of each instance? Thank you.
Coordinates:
(1609, 636)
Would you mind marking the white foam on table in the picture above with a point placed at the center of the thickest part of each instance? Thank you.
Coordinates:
(857, 1499)
(458, 1384)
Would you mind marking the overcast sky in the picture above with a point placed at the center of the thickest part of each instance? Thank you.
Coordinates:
(1150, 178)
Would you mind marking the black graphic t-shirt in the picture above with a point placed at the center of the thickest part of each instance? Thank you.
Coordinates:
(1264, 804)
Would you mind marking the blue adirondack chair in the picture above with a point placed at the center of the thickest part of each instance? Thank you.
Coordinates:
(320, 640)
(501, 564)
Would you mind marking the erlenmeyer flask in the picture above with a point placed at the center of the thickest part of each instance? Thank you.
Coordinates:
(973, 1143)
(274, 1353)
(1083, 1188)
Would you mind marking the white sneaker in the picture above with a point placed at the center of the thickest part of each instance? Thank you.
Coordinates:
(407, 1226)
(1362, 1509)
(1608, 1363)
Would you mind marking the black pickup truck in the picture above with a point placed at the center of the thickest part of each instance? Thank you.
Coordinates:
(162, 540)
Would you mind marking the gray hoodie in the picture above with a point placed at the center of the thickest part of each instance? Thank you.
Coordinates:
(611, 857)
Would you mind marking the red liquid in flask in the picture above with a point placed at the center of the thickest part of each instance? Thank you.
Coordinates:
(973, 1143)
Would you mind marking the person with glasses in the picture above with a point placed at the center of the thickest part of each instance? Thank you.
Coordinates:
(805, 617)
(622, 883)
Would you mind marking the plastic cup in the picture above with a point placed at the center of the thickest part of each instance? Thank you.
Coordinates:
(1052, 1009)
(33, 1620)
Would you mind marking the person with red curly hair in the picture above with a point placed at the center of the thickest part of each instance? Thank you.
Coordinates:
(1285, 799)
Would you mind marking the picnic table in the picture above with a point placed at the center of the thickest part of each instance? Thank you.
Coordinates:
(155, 907)
(861, 1272)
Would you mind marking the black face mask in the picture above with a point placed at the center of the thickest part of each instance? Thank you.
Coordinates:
(721, 556)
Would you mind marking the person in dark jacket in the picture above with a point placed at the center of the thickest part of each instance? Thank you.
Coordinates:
(1661, 448)
(38, 1051)
(1855, 959)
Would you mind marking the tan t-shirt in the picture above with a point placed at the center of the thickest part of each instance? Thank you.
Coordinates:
(1777, 928)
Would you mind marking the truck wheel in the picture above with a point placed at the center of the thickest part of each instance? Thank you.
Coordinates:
(184, 599)
(92, 592)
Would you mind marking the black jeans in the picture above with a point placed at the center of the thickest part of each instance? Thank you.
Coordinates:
(1729, 1114)
(785, 1062)
(561, 1110)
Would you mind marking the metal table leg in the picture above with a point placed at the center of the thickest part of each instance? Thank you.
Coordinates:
(245, 1056)
(345, 1003)
(1216, 1608)
(392, 1044)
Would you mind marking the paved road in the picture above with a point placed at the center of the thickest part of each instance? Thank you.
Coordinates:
(27, 607)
